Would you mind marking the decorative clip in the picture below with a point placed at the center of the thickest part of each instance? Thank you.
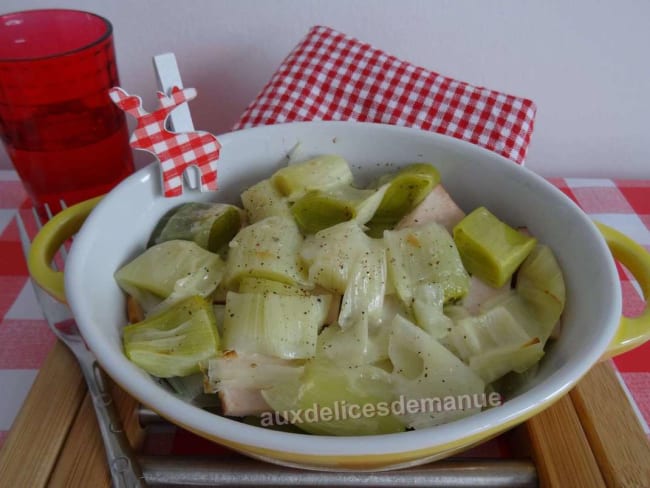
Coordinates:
(175, 151)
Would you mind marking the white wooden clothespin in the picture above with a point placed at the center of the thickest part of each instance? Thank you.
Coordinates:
(180, 119)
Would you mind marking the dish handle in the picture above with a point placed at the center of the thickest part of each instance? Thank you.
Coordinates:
(49, 240)
(632, 331)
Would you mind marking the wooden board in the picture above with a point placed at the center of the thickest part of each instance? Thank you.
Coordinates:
(589, 438)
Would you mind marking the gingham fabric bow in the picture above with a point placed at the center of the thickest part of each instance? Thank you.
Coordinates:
(331, 76)
(175, 151)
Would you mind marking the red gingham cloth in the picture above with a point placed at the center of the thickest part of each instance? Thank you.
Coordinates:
(330, 76)
(324, 90)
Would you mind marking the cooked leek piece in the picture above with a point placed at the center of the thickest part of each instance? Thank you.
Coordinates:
(362, 342)
(428, 312)
(427, 373)
(405, 191)
(317, 210)
(479, 334)
(338, 401)
(495, 363)
(210, 225)
(322, 173)
(490, 248)
(200, 283)
(330, 254)
(261, 285)
(425, 254)
(250, 371)
(264, 200)
(344, 346)
(541, 284)
(174, 342)
(283, 326)
(364, 295)
(179, 267)
(320, 209)
(266, 249)
(521, 311)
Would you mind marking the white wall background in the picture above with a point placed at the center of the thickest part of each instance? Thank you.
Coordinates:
(585, 63)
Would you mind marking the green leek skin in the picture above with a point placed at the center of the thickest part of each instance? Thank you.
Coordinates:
(323, 172)
(266, 249)
(406, 190)
(210, 225)
(318, 210)
(174, 342)
(489, 248)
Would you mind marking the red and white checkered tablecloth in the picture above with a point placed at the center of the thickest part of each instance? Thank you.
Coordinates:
(331, 76)
(25, 339)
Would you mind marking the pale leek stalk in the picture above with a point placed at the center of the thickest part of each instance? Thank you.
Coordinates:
(283, 326)
(266, 249)
(425, 254)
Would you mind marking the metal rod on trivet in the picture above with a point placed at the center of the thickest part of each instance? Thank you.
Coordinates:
(183, 471)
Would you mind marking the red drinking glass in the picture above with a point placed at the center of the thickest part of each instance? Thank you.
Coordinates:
(63, 134)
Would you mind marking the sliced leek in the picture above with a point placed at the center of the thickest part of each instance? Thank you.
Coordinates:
(174, 342)
(264, 200)
(210, 225)
(541, 284)
(425, 254)
(176, 267)
(495, 328)
(364, 296)
(490, 248)
(283, 326)
(331, 253)
(428, 374)
(494, 364)
(334, 400)
(319, 209)
(322, 172)
(405, 191)
(344, 346)
(261, 285)
(266, 249)
(428, 311)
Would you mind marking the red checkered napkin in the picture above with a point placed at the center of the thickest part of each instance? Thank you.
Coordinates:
(331, 76)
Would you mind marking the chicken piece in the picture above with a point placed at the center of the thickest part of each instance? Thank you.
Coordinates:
(479, 293)
(240, 379)
(239, 402)
(134, 310)
(438, 207)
